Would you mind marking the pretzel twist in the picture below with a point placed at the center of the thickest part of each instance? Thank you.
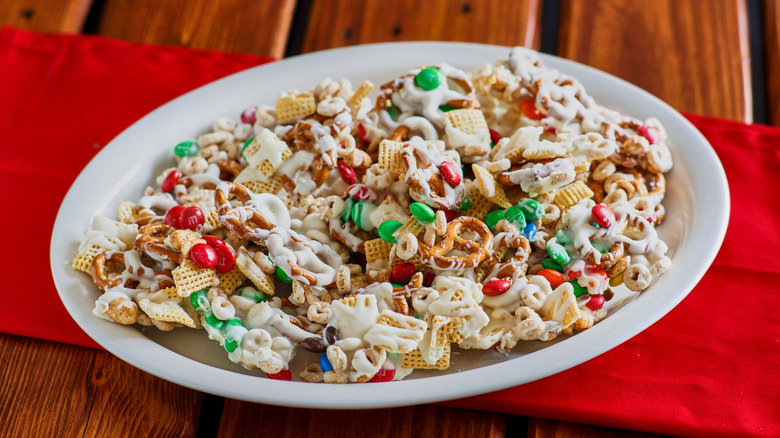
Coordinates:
(151, 240)
(245, 222)
(435, 256)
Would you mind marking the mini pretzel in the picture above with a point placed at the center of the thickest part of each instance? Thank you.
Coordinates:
(434, 256)
(594, 257)
(232, 219)
(101, 277)
(151, 243)
(400, 294)
(499, 269)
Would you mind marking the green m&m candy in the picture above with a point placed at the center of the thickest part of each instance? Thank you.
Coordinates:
(564, 237)
(422, 212)
(558, 253)
(348, 204)
(187, 148)
(515, 216)
(387, 228)
(446, 108)
(532, 209)
(493, 218)
(429, 78)
(465, 203)
(200, 301)
(212, 320)
(393, 111)
(252, 294)
(234, 332)
(551, 264)
(361, 214)
(281, 275)
(579, 290)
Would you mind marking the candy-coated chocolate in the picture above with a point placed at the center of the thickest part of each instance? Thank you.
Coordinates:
(429, 78)
(173, 215)
(212, 320)
(578, 289)
(361, 214)
(551, 264)
(528, 107)
(530, 231)
(495, 286)
(226, 258)
(325, 364)
(347, 173)
(564, 237)
(532, 209)
(402, 273)
(493, 218)
(515, 216)
(187, 148)
(465, 203)
(383, 375)
(603, 215)
(281, 375)
(387, 228)
(191, 218)
(347, 215)
(652, 134)
(252, 294)
(249, 115)
(200, 301)
(170, 180)
(494, 136)
(213, 241)
(450, 215)
(449, 173)
(361, 192)
(595, 302)
(203, 255)
(281, 275)
(554, 277)
(362, 134)
(422, 212)
(558, 253)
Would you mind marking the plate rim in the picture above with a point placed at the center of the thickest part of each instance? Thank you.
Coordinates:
(398, 393)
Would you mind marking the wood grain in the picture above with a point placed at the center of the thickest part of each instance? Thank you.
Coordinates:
(260, 27)
(416, 421)
(538, 428)
(52, 389)
(690, 53)
(772, 50)
(66, 16)
(338, 23)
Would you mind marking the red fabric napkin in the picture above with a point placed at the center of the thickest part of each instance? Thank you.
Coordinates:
(710, 367)
(62, 98)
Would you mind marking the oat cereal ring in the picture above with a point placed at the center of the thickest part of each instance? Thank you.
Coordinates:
(477, 252)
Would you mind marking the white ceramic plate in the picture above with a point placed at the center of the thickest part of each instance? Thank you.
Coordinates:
(697, 205)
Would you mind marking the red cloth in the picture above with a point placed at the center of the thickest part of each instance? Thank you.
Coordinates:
(710, 367)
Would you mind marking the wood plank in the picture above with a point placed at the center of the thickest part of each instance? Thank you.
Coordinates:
(539, 428)
(67, 16)
(692, 54)
(338, 23)
(260, 27)
(53, 389)
(772, 50)
(415, 421)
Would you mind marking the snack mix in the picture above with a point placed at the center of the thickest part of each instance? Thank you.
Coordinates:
(478, 210)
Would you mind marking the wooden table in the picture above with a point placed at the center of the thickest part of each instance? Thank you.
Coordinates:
(718, 58)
